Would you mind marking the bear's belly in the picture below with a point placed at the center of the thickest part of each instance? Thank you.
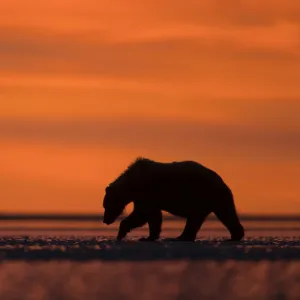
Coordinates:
(177, 212)
(178, 208)
(184, 206)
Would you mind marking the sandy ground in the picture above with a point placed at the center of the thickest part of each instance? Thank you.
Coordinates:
(100, 268)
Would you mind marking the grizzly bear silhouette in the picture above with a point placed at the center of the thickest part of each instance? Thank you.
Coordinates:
(186, 189)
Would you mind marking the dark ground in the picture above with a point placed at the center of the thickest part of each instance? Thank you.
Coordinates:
(92, 268)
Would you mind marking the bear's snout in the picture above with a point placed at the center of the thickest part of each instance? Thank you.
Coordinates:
(108, 222)
(110, 216)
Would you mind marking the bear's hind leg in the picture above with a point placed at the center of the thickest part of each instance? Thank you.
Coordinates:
(229, 218)
(193, 225)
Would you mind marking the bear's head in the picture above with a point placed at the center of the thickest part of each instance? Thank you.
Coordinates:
(125, 189)
(113, 204)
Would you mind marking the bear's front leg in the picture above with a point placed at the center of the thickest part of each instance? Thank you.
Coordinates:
(134, 220)
(154, 222)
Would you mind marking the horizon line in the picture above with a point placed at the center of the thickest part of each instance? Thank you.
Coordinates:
(99, 217)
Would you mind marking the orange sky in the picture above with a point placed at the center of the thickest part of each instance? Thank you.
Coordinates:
(86, 86)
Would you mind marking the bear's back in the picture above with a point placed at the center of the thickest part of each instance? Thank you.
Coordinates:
(186, 171)
(178, 178)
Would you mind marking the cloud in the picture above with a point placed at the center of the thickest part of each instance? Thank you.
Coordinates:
(132, 14)
(234, 12)
(228, 59)
(189, 137)
(199, 42)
